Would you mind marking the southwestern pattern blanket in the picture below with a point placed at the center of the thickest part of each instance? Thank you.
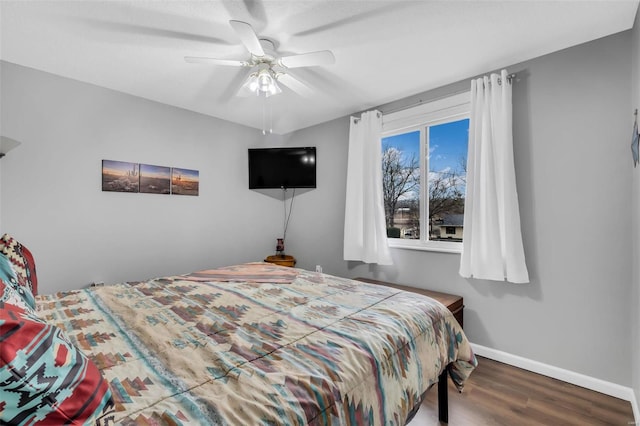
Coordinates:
(315, 349)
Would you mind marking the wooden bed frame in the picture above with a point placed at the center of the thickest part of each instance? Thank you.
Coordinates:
(443, 400)
(443, 397)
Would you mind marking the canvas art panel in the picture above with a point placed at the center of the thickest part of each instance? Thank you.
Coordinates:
(185, 181)
(155, 179)
(120, 176)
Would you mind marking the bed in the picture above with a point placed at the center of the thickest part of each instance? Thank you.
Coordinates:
(251, 344)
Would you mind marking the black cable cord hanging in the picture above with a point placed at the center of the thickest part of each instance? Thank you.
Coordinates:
(635, 141)
(287, 218)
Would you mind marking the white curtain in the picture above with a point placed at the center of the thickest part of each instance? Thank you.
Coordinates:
(492, 240)
(365, 233)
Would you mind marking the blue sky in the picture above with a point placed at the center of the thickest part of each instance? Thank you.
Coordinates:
(148, 170)
(186, 173)
(447, 144)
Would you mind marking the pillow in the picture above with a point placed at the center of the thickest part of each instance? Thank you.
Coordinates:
(12, 291)
(22, 261)
(44, 379)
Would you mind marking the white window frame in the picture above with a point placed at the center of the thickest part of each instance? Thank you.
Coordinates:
(443, 110)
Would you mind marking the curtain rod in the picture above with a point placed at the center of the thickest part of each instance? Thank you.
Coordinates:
(510, 79)
(356, 119)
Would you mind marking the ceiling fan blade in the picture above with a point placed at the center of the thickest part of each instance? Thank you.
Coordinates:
(322, 57)
(215, 61)
(248, 37)
(255, 10)
(296, 85)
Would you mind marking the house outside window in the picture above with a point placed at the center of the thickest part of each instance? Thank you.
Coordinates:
(424, 153)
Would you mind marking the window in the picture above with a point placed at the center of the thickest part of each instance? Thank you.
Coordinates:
(424, 156)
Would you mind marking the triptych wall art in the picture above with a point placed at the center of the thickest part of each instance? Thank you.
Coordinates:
(121, 176)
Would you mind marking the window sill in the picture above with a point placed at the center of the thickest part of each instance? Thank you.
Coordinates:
(437, 246)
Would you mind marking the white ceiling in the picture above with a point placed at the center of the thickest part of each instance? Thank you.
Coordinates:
(385, 50)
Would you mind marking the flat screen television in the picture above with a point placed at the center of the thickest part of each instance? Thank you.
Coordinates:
(282, 168)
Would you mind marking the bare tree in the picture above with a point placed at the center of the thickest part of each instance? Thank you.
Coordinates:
(446, 192)
(400, 177)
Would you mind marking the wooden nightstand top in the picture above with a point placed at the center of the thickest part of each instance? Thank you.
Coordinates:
(282, 260)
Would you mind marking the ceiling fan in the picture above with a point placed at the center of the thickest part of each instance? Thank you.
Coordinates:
(268, 69)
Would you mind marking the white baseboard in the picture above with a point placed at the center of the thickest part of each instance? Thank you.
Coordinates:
(572, 377)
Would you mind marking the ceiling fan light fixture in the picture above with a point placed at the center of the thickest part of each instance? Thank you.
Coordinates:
(250, 85)
(265, 81)
(262, 83)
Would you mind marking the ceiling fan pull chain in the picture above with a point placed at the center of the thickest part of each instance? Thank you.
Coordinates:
(270, 118)
(264, 106)
(264, 114)
(267, 116)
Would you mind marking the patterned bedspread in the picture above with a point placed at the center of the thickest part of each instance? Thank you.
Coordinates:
(315, 350)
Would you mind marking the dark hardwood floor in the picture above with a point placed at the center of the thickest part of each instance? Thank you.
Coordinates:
(499, 394)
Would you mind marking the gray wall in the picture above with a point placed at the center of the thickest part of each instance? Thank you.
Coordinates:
(51, 185)
(571, 134)
(51, 196)
(635, 307)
